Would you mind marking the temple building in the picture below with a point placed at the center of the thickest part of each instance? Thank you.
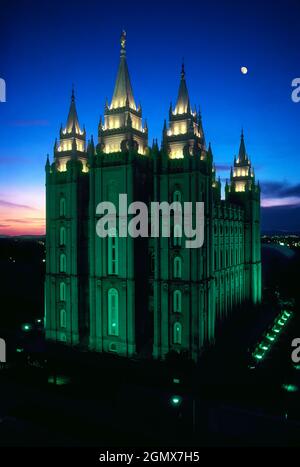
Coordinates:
(146, 296)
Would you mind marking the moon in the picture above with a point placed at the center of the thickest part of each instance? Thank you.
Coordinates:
(244, 70)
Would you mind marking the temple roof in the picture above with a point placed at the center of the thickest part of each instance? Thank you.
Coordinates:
(183, 100)
(72, 120)
(242, 150)
(123, 89)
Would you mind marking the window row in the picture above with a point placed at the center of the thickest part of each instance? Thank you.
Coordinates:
(113, 312)
(228, 257)
(236, 229)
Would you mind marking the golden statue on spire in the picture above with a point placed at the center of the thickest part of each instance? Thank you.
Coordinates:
(123, 40)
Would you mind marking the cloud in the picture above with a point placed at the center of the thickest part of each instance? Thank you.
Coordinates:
(223, 167)
(280, 189)
(280, 193)
(290, 201)
(28, 220)
(8, 204)
(25, 123)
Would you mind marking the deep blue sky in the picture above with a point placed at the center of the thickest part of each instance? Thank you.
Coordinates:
(48, 45)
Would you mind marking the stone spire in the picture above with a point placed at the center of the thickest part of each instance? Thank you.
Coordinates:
(71, 144)
(183, 100)
(72, 124)
(242, 151)
(123, 94)
(242, 174)
(123, 127)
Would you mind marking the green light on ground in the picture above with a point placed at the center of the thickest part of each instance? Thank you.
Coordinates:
(176, 401)
(19, 350)
(276, 330)
(258, 356)
(264, 347)
(59, 380)
(287, 313)
(297, 367)
(26, 327)
(280, 323)
(270, 337)
(290, 387)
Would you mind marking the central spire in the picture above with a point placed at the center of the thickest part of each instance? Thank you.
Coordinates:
(183, 100)
(123, 94)
(72, 124)
(242, 150)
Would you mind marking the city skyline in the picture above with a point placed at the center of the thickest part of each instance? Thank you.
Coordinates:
(259, 101)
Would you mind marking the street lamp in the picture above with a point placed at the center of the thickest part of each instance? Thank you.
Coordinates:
(176, 401)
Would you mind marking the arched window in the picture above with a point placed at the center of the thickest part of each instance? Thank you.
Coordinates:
(63, 263)
(177, 196)
(62, 291)
(62, 207)
(113, 252)
(62, 236)
(177, 267)
(113, 312)
(63, 318)
(177, 235)
(177, 301)
(177, 333)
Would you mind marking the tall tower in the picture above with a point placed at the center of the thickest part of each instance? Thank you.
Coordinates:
(244, 191)
(123, 127)
(118, 264)
(66, 235)
(183, 303)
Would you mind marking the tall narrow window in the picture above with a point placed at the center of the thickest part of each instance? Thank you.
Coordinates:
(63, 263)
(177, 196)
(113, 312)
(177, 333)
(177, 301)
(62, 236)
(62, 207)
(177, 267)
(63, 319)
(177, 235)
(152, 263)
(113, 252)
(62, 291)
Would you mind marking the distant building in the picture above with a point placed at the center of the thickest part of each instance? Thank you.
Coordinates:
(123, 294)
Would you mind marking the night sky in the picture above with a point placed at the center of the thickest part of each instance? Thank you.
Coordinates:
(48, 45)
